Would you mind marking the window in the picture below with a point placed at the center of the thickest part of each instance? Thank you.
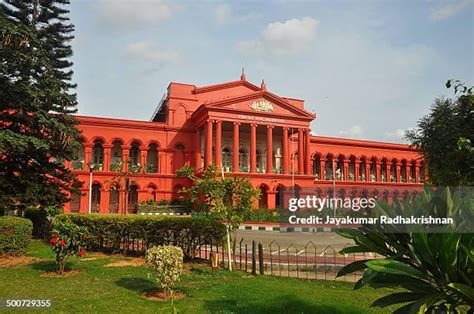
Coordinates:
(134, 158)
(243, 160)
(116, 157)
(226, 159)
(95, 198)
(98, 154)
(132, 199)
(114, 199)
(152, 159)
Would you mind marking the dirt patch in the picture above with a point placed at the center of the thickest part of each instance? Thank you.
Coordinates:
(134, 262)
(9, 261)
(89, 259)
(157, 295)
(69, 273)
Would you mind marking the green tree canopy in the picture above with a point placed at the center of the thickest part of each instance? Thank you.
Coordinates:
(37, 132)
(229, 199)
(445, 137)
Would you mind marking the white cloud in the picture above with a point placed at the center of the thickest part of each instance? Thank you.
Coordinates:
(398, 134)
(223, 14)
(121, 14)
(284, 38)
(447, 10)
(355, 132)
(145, 50)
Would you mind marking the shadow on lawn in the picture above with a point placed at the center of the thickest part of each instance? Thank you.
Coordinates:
(283, 304)
(136, 284)
(48, 266)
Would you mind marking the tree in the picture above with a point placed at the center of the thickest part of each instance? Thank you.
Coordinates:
(37, 132)
(50, 20)
(228, 199)
(445, 137)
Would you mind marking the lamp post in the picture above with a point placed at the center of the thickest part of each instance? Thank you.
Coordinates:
(91, 168)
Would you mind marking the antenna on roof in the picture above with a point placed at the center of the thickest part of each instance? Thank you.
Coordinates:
(242, 76)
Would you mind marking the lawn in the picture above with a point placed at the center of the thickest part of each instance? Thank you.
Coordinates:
(118, 289)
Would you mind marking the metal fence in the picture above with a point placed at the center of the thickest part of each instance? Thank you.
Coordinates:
(307, 262)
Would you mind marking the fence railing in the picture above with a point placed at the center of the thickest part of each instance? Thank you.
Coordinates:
(306, 262)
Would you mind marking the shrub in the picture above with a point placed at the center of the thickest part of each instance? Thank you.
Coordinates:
(263, 214)
(68, 239)
(436, 269)
(15, 235)
(119, 232)
(166, 265)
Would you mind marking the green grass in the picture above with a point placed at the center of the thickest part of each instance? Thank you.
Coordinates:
(118, 289)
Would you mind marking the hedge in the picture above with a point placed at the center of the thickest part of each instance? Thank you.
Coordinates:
(15, 235)
(119, 233)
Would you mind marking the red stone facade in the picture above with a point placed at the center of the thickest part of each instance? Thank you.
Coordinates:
(244, 129)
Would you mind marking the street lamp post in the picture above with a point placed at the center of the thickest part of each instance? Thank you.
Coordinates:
(91, 168)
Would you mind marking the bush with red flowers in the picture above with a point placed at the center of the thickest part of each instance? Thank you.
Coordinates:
(68, 239)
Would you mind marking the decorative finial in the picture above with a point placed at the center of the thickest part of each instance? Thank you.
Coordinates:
(263, 86)
(242, 76)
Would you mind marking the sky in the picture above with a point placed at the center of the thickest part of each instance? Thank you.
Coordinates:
(368, 69)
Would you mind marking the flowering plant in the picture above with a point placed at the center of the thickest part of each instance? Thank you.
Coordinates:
(68, 239)
(165, 263)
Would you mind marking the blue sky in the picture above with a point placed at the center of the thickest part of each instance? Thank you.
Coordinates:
(368, 69)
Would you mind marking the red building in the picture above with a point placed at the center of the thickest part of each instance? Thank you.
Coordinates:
(247, 131)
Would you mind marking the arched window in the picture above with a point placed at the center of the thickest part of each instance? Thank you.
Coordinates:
(98, 154)
(373, 169)
(76, 198)
(383, 170)
(243, 160)
(134, 158)
(132, 199)
(403, 171)
(352, 166)
(340, 168)
(116, 157)
(114, 199)
(95, 198)
(317, 167)
(329, 168)
(78, 162)
(226, 159)
(152, 159)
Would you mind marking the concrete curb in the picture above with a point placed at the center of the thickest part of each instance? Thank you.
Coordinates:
(273, 228)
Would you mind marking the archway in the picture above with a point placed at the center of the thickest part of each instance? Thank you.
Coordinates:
(114, 198)
(132, 199)
(263, 201)
(95, 198)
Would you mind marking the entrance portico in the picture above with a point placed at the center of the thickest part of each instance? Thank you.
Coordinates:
(255, 134)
